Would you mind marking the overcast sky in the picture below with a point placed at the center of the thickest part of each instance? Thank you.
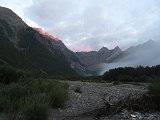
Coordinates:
(85, 25)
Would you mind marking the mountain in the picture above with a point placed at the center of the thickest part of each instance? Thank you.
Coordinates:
(33, 49)
(24, 47)
(146, 54)
(145, 46)
(96, 57)
(93, 59)
(69, 55)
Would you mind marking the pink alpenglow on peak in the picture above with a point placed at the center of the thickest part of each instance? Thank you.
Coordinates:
(46, 34)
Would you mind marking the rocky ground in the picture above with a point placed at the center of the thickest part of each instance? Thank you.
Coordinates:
(92, 98)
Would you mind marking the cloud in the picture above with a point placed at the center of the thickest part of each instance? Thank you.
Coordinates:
(93, 23)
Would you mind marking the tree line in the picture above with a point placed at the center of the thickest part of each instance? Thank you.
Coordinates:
(131, 74)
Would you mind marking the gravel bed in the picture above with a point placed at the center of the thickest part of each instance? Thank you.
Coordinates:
(81, 106)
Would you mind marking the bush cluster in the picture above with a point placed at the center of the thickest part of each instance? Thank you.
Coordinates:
(154, 90)
(27, 98)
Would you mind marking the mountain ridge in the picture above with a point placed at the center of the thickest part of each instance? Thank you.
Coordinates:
(95, 57)
(24, 47)
(31, 49)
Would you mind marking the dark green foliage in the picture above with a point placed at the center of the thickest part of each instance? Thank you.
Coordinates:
(56, 93)
(57, 96)
(8, 74)
(97, 79)
(33, 98)
(28, 97)
(129, 74)
(36, 108)
(154, 90)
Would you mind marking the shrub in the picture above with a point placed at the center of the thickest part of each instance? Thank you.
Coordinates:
(10, 96)
(78, 89)
(26, 98)
(58, 95)
(31, 98)
(154, 90)
(35, 108)
(10, 74)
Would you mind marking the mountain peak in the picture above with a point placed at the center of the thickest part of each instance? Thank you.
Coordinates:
(8, 16)
(117, 48)
(103, 49)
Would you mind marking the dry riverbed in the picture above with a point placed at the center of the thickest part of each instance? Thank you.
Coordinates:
(92, 101)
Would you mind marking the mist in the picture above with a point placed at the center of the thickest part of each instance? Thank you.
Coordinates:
(147, 54)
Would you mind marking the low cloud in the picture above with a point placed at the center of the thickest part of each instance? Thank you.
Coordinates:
(145, 55)
(103, 22)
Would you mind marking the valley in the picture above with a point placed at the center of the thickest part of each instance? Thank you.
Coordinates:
(41, 79)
